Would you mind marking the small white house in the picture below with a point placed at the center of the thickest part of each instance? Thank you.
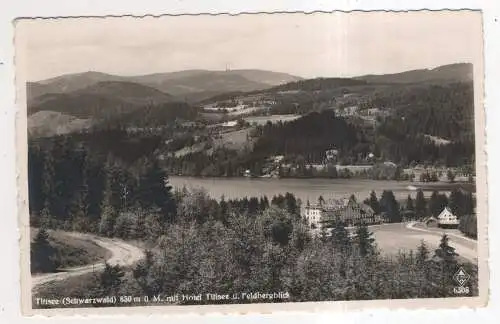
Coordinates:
(447, 219)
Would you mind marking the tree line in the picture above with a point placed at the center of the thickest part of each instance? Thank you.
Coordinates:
(460, 202)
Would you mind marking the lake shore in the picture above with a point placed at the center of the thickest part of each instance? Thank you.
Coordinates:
(309, 188)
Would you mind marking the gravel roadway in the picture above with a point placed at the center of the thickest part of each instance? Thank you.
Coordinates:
(122, 253)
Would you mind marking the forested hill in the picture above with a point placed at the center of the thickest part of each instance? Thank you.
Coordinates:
(317, 84)
(446, 111)
(447, 73)
(402, 141)
(309, 137)
(162, 115)
(103, 99)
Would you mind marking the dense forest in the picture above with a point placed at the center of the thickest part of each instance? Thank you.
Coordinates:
(165, 114)
(317, 84)
(252, 254)
(310, 137)
(441, 110)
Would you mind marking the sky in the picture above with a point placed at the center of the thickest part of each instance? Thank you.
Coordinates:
(308, 45)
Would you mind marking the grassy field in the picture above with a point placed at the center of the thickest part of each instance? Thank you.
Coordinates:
(234, 140)
(74, 251)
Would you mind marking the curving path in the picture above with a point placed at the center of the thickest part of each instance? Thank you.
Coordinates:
(392, 238)
(122, 253)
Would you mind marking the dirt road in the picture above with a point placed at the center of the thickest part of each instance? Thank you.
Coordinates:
(392, 238)
(122, 254)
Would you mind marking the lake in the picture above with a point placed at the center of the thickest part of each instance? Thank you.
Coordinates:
(304, 188)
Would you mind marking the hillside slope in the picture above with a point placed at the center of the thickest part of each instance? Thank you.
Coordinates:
(451, 73)
(49, 123)
(127, 91)
(101, 100)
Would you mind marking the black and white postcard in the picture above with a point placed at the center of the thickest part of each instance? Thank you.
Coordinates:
(251, 162)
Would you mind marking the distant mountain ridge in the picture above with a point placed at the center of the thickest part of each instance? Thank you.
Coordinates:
(75, 101)
(182, 84)
(458, 72)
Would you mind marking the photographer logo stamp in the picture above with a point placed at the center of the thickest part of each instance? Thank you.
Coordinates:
(461, 277)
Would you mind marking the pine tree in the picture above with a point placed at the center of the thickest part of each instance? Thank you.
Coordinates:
(253, 205)
(340, 236)
(390, 206)
(445, 252)
(48, 187)
(291, 204)
(434, 209)
(155, 191)
(422, 253)
(409, 204)
(35, 183)
(420, 204)
(109, 213)
(456, 203)
(95, 180)
(111, 279)
(79, 209)
(365, 240)
(468, 203)
(42, 253)
(45, 216)
(445, 264)
(263, 203)
(141, 271)
(224, 210)
(373, 202)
